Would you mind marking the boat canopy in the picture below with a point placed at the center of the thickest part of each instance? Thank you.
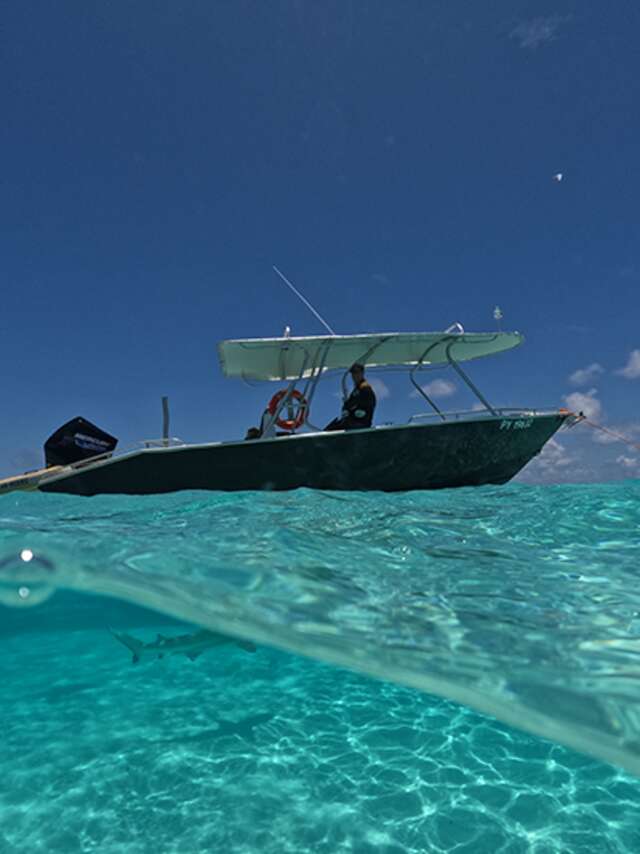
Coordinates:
(296, 358)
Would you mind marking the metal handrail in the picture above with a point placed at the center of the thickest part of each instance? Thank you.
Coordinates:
(484, 413)
(170, 441)
(466, 380)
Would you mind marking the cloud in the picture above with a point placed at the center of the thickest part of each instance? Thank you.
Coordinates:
(437, 388)
(583, 376)
(629, 463)
(550, 466)
(631, 371)
(381, 388)
(554, 455)
(585, 402)
(537, 31)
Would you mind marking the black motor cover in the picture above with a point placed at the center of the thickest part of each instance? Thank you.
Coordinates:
(76, 440)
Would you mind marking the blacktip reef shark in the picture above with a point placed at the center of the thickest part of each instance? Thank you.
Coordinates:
(191, 645)
(243, 728)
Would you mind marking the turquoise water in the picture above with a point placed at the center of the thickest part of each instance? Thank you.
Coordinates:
(501, 624)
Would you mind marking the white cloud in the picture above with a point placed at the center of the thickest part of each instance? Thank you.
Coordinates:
(583, 376)
(629, 463)
(537, 31)
(437, 388)
(585, 402)
(631, 371)
(381, 388)
(554, 455)
(550, 466)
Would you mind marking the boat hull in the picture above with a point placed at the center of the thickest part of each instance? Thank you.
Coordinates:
(391, 459)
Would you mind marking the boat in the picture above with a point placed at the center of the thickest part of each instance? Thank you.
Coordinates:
(434, 450)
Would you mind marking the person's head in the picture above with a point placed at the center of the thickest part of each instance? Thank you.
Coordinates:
(357, 373)
(253, 433)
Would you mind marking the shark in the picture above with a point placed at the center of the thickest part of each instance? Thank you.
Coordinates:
(191, 645)
(242, 729)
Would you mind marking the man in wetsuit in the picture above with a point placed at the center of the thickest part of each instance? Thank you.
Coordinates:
(358, 408)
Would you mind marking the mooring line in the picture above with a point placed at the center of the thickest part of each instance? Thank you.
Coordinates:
(615, 435)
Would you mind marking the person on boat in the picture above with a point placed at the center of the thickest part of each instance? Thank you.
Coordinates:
(358, 408)
(266, 429)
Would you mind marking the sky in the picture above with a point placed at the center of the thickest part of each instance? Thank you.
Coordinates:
(395, 160)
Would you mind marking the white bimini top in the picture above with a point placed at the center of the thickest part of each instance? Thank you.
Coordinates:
(296, 358)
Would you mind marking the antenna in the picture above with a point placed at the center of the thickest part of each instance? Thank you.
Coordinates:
(305, 301)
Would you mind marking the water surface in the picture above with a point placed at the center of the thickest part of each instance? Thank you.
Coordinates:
(520, 602)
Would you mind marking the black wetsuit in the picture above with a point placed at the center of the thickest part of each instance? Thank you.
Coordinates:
(357, 410)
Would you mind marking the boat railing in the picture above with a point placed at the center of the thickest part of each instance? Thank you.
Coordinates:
(466, 414)
(172, 441)
(169, 442)
(146, 444)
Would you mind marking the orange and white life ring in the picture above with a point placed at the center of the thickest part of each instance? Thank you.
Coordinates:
(302, 409)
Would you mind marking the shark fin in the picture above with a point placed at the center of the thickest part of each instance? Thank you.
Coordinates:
(134, 646)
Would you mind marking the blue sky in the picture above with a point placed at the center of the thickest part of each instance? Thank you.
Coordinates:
(395, 160)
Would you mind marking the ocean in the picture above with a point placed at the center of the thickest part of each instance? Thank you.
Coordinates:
(453, 671)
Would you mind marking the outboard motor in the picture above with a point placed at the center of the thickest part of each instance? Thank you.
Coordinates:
(77, 440)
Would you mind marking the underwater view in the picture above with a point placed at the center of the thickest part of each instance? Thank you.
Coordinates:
(332, 672)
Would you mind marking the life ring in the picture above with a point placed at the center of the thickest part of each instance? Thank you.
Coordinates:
(301, 415)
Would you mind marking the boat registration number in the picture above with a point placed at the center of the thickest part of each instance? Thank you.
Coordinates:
(516, 423)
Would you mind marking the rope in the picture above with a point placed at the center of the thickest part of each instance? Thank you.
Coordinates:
(615, 435)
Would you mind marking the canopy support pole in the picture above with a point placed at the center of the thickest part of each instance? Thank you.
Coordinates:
(423, 393)
(269, 422)
(165, 421)
(312, 382)
(468, 382)
(418, 387)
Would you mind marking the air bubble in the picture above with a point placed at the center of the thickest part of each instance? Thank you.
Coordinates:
(25, 578)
